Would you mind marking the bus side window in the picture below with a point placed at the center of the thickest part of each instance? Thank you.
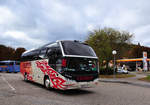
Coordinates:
(35, 55)
(53, 54)
(51, 57)
(17, 63)
(42, 54)
(58, 53)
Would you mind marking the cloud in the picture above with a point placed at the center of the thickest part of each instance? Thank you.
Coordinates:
(90, 27)
(31, 23)
(142, 34)
(23, 37)
(6, 15)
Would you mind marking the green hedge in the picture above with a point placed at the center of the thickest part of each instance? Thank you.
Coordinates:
(106, 71)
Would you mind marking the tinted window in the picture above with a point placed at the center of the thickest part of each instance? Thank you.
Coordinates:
(10, 63)
(54, 50)
(51, 50)
(77, 48)
(43, 53)
(33, 55)
(17, 63)
(81, 64)
(54, 54)
(52, 45)
(1, 63)
(6, 63)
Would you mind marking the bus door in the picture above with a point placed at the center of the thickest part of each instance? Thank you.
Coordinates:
(10, 67)
(16, 66)
(37, 73)
(55, 58)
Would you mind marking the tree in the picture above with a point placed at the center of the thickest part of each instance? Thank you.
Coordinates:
(137, 51)
(6, 53)
(18, 53)
(103, 41)
(9, 53)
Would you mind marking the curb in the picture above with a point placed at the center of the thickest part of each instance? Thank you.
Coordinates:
(147, 85)
(114, 81)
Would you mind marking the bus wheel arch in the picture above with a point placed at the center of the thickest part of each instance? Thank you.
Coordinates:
(25, 77)
(46, 81)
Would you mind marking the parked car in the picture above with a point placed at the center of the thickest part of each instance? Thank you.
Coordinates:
(120, 70)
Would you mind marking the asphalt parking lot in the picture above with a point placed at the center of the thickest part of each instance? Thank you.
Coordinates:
(15, 91)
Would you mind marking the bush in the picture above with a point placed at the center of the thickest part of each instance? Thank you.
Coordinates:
(106, 71)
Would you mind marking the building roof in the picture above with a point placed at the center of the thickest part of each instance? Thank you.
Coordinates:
(131, 60)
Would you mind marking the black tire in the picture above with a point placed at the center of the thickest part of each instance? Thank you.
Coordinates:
(25, 77)
(8, 71)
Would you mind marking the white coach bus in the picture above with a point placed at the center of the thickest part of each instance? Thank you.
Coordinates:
(61, 65)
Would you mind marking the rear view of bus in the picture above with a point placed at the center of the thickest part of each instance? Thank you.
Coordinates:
(61, 65)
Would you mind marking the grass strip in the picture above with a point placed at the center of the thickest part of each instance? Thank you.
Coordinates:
(117, 76)
(147, 79)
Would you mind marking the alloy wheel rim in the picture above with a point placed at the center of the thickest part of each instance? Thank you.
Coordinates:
(47, 83)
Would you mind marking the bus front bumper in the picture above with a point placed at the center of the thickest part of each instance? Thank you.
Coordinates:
(78, 85)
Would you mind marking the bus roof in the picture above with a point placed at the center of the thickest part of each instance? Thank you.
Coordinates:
(49, 45)
(9, 61)
(131, 60)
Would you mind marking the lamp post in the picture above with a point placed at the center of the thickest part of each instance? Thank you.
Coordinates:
(114, 52)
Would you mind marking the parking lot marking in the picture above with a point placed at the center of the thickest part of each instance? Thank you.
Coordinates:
(12, 88)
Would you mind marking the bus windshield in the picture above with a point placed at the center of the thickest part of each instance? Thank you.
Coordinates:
(81, 64)
(80, 69)
(77, 48)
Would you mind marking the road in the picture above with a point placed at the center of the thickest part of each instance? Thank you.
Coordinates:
(15, 91)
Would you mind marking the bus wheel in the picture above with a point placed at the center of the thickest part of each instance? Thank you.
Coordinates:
(47, 83)
(25, 77)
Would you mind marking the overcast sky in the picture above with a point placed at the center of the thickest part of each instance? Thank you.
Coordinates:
(32, 23)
